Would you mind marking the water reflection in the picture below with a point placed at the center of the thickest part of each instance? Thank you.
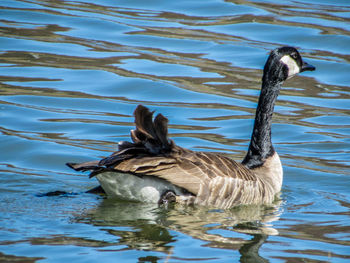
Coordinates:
(150, 227)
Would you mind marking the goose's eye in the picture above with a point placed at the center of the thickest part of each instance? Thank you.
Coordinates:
(293, 55)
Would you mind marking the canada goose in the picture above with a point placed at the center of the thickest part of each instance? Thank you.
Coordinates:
(153, 169)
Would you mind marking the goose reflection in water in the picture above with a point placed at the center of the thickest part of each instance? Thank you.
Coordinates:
(243, 229)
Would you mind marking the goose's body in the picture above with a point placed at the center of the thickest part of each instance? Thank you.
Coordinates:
(153, 168)
(195, 177)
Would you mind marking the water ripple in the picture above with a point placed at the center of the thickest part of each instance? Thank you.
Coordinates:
(71, 74)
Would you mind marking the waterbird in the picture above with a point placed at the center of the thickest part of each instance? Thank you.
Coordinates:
(152, 168)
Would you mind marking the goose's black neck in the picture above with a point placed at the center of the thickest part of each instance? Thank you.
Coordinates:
(260, 147)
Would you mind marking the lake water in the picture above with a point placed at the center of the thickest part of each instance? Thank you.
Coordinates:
(72, 73)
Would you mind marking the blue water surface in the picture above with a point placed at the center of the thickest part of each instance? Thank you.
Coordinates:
(72, 73)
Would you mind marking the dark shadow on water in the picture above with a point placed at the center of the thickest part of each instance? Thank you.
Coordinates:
(56, 193)
(95, 190)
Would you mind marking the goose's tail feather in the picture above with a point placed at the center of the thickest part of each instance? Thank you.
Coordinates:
(150, 134)
(149, 138)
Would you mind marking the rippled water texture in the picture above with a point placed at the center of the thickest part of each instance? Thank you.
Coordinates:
(72, 73)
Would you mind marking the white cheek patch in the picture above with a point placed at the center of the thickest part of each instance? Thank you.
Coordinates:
(293, 68)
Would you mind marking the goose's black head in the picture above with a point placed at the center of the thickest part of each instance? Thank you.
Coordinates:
(283, 63)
